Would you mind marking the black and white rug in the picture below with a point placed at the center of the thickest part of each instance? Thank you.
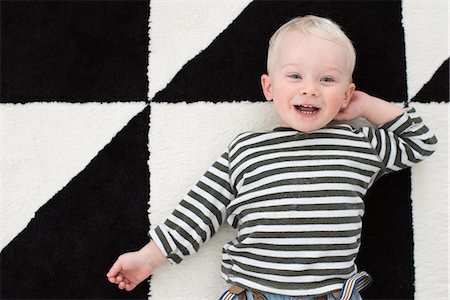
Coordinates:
(111, 110)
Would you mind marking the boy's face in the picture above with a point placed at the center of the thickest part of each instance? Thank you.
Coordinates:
(309, 81)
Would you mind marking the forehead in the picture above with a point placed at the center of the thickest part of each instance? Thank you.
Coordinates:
(304, 43)
(297, 45)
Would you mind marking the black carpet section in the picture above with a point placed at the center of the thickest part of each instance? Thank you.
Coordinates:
(74, 51)
(230, 68)
(435, 90)
(387, 238)
(67, 249)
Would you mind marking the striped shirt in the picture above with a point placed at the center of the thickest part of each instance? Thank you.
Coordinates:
(296, 200)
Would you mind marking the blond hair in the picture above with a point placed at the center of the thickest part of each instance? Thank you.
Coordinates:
(318, 26)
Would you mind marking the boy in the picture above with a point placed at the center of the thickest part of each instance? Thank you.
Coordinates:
(295, 193)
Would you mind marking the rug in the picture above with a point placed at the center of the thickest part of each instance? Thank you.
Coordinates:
(111, 110)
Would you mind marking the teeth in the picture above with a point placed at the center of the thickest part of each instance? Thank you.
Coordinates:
(307, 109)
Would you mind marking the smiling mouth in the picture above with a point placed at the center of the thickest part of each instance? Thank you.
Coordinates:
(306, 109)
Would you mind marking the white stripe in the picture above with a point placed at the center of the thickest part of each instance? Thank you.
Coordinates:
(219, 205)
(221, 161)
(382, 142)
(295, 254)
(312, 200)
(286, 215)
(220, 174)
(303, 241)
(341, 130)
(400, 121)
(394, 150)
(317, 163)
(187, 228)
(422, 145)
(299, 228)
(294, 201)
(263, 137)
(306, 188)
(183, 241)
(293, 144)
(164, 229)
(197, 220)
(352, 188)
(238, 139)
(302, 175)
(316, 291)
(289, 267)
(300, 153)
(218, 188)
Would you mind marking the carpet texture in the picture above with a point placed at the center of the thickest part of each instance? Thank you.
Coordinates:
(111, 110)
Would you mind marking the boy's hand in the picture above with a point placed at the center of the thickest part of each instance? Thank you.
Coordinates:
(132, 268)
(375, 110)
(356, 108)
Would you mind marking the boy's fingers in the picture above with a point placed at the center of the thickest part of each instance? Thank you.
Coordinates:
(112, 279)
(115, 269)
(130, 287)
(115, 278)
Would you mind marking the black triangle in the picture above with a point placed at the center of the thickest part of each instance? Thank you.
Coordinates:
(230, 68)
(435, 90)
(66, 250)
(387, 238)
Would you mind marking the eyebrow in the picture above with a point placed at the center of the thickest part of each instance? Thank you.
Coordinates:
(327, 68)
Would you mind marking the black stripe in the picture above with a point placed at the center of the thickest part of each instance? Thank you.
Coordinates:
(304, 234)
(296, 195)
(200, 214)
(292, 260)
(183, 233)
(291, 285)
(191, 224)
(303, 247)
(301, 221)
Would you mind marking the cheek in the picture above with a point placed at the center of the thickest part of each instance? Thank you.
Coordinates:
(279, 105)
(338, 98)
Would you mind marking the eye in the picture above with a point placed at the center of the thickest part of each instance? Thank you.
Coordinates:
(327, 79)
(295, 76)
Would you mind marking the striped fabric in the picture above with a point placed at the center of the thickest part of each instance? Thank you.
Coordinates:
(227, 295)
(355, 283)
(296, 201)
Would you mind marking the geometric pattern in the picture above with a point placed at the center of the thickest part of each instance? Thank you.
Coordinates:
(114, 134)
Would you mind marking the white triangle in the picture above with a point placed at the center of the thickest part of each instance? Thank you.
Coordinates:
(430, 193)
(426, 40)
(43, 146)
(179, 30)
(179, 160)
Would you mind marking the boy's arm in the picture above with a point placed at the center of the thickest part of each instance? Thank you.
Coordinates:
(132, 268)
(401, 139)
(199, 214)
(373, 109)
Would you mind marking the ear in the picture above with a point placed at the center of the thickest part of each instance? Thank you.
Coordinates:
(348, 94)
(266, 85)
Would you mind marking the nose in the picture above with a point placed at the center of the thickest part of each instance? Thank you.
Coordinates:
(309, 90)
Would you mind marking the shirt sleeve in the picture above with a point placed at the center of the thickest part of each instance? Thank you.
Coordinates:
(199, 214)
(402, 142)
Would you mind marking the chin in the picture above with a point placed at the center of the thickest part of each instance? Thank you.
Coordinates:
(305, 129)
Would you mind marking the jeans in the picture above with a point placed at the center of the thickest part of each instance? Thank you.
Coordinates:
(353, 284)
(269, 296)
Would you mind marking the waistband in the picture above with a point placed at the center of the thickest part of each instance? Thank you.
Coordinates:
(354, 283)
